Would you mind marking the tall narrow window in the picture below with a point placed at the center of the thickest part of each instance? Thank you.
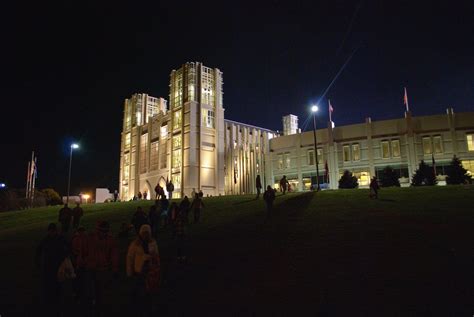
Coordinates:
(126, 166)
(207, 118)
(163, 156)
(427, 145)
(164, 132)
(320, 155)
(356, 152)
(385, 149)
(177, 140)
(437, 145)
(470, 142)
(310, 157)
(287, 160)
(177, 120)
(176, 159)
(346, 153)
(280, 161)
(154, 156)
(128, 139)
(395, 148)
(143, 152)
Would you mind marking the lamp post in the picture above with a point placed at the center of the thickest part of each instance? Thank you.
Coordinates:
(314, 109)
(73, 146)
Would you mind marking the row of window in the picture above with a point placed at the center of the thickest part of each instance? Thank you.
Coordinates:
(432, 145)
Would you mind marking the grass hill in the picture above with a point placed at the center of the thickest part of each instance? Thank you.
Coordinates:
(330, 253)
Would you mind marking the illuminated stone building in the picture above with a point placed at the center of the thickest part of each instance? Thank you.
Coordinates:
(190, 143)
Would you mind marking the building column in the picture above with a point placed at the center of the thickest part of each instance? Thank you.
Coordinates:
(368, 129)
(452, 130)
(411, 150)
(299, 162)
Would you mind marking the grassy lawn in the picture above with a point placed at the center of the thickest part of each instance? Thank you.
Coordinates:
(410, 253)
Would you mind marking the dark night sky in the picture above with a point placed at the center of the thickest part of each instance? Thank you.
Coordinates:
(69, 65)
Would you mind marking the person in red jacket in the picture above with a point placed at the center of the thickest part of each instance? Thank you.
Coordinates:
(101, 261)
(79, 254)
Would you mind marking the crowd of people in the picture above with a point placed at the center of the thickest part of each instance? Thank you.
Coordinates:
(91, 259)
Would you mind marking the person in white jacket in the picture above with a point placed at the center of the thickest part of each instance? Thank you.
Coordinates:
(143, 264)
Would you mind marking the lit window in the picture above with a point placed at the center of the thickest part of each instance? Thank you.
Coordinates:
(177, 142)
(176, 159)
(355, 152)
(346, 153)
(469, 165)
(126, 166)
(395, 148)
(163, 156)
(280, 161)
(320, 156)
(385, 149)
(427, 145)
(207, 118)
(177, 120)
(164, 132)
(287, 160)
(154, 156)
(128, 139)
(470, 142)
(176, 179)
(310, 157)
(235, 144)
(143, 150)
(437, 145)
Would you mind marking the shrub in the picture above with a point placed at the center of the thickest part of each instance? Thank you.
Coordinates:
(348, 180)
(52, 197)
(424, 176)
(456, 173)
(389, 177)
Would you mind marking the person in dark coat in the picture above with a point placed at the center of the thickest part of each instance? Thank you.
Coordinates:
(374, 188)
(201, 194)
(258, 184)
(139, 218)
(269, 197)
(77, 214)
(50, 253)
(145, 195)
(158, 191)
(164, 206)
(139, 195)
(196, 207)
(65, 216)
(115, 195)
(184, 208)
(170, 189)
(284, 184)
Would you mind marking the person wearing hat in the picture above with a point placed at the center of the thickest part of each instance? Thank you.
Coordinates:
(50, 253)
(101, 261)
(143, 267)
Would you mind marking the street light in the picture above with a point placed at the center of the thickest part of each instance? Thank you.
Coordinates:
(314, 109)
(73, 147)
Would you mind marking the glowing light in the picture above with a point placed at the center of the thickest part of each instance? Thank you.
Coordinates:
(3, 185)
(314, 108)
(74, 146)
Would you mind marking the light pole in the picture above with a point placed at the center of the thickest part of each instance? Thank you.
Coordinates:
(73, 146)
(314, 109)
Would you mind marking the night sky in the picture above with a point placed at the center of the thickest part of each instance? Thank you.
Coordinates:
(68, 66)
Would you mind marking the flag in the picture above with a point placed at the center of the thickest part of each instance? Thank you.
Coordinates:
(405, 99)
(331, 109)
(434, 164)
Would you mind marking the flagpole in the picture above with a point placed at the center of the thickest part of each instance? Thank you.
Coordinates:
(33, 176)
(406, 99)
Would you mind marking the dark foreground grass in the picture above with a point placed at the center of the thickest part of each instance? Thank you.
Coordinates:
(332, 253)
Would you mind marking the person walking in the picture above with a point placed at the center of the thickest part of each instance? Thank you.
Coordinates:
(50, 253)
(145, 195)
(139, 195)
(170, 189)
(196, 207)
(184, 208)
(154, 218)
(269, 197)
(258, 184)
(374, 188)
(65, 215)
(79, 254)
(284, 184)
(158, 191)
(102, 264)
(139, 218)
(143, 267)
(77, 214)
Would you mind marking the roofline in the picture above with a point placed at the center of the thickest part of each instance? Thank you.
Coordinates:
(249, 125)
